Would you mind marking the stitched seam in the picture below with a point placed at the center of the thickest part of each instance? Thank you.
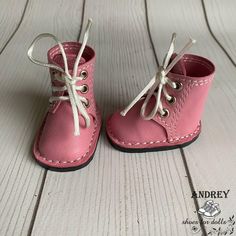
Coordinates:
(201, 81)
(201, 84)
(192, 81)
(178, 108)
(150, 142)
(85, 67)
(172, 127)
(195, 82)
(186, 136)
(65, 162)
(163, 121)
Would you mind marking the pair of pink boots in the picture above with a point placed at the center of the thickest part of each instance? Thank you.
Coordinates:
(165, 115)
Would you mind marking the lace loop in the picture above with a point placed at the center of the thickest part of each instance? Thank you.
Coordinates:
(76, 100)
(158, 83)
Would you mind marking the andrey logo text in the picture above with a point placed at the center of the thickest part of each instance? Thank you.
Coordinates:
(210, 194)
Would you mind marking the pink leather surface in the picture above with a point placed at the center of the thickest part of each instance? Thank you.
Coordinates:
(55, 144)
(183, 124)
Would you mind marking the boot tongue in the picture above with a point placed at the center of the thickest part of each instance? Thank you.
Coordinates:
(179, 67)
(71, 58)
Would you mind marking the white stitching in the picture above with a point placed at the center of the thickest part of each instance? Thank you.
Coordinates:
(201, 81)
(78, 159)
(151, 142)
(65, 162)
(186, 136)
(201, 84)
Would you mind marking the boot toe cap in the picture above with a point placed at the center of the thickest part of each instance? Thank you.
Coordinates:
(56, 145)
(131, 131)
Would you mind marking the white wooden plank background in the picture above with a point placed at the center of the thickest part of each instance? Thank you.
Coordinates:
(221, 18)
(118, 193)
(9, 23)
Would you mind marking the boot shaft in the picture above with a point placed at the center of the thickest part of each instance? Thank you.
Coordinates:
(194, 74)
(85, 70)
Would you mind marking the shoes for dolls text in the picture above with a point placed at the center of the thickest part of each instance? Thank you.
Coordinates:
(167, 113)
(69, 134)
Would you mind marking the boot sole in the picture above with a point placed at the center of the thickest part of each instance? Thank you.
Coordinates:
(155, 149)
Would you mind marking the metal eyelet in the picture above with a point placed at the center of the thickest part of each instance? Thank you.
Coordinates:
(179, 86)
(166, 113)
(84, 74)
(86, 104)
(84, 89)
(54, 74)
(172, 100)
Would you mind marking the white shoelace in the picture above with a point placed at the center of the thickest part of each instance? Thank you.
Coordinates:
(70, 81)
(159, 82)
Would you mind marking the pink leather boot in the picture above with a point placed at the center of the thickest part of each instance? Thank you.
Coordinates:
(167, 113)
(69, 134)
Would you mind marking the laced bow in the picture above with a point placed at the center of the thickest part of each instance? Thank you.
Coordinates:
(158, 83)
(69, 81)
